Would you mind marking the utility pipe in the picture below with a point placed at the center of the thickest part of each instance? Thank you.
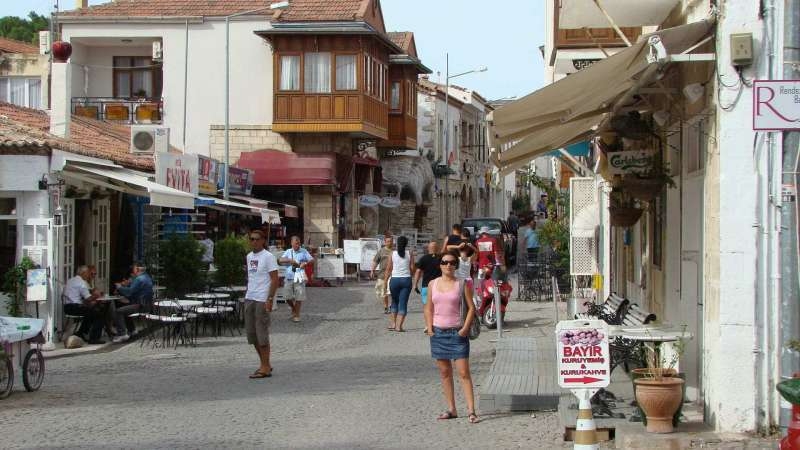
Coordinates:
(790, 254)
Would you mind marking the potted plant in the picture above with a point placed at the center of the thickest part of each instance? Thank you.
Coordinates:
(229, 258)
(180, 259)
(659, 389)
(14, 286)
(648, 185)
(624, 210)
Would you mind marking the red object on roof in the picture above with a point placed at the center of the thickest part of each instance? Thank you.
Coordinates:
(277, 168)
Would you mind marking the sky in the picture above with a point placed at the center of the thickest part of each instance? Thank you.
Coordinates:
(503, 35)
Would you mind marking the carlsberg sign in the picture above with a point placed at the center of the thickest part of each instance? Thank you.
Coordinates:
(620, 163)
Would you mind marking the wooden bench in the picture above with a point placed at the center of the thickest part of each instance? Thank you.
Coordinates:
(624, 351)
(612, 311)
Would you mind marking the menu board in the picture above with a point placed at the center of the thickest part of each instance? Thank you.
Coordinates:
(352, 252)
(329, 266)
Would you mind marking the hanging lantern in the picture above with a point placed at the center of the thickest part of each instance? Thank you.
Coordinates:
(61, 51)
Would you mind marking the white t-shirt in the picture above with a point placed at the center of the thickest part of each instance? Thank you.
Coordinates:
(76, 290)
(400, 266)
(259, 266)
(464, 270)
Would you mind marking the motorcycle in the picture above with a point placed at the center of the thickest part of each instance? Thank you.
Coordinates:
(485, 297)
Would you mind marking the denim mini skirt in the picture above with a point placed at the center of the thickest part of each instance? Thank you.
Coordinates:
(447, 344)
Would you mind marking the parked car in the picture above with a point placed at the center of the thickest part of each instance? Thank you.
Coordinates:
(497, 228)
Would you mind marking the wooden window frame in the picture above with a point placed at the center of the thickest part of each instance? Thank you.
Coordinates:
(400, 101)
(333, 68)
(156, 74)
(300, 74)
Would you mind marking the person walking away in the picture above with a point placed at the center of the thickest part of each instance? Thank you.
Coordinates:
(513, 222)
(398, 277)
(80, 301)
(532, 241)
(449, 334)
(262, 282)
(451, 241)
(137, 296)
(379, 263)
(295, 292)
(427, 269)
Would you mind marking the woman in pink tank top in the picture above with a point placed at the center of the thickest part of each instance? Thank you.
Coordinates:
(449, 333)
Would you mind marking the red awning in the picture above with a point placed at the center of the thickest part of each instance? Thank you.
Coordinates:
(277, 168)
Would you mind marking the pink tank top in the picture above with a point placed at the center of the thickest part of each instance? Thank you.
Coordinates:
(446, 305)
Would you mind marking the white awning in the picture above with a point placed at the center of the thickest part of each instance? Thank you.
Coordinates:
(260, 205)
(131, 182)
(625, 13)
(571, 109)
(253, 209)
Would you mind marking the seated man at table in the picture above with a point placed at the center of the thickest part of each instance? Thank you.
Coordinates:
(80, 301)
(137, 295)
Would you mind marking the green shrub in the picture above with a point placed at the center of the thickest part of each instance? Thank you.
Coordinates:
(14, 286)
(229, 258)
(182, 268)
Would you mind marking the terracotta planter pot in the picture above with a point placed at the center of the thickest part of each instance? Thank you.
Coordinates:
(659, 399)
(624, 217)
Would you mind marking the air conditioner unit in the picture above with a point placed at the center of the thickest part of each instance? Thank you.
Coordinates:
(44, 42)
(147, 139)
(158, 51)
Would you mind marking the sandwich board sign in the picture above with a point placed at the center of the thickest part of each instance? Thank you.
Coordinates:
(583, 355)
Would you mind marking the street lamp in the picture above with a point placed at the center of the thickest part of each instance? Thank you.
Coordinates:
(273, 6)
(447, 125)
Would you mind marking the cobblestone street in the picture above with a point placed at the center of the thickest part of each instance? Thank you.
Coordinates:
(341, 380)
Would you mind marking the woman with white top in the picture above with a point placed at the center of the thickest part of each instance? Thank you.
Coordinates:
(398, 277)
(466, 257)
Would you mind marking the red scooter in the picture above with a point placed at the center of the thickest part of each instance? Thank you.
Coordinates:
(484, 296)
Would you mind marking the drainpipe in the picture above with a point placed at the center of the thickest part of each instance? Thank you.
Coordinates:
(790, 284)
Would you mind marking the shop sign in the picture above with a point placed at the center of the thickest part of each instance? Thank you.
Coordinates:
(637, 161)
(369, 200)
(207, 172)
(390, 202)
(776, 105)
(241, 181)
(177, 171)
(582, 352)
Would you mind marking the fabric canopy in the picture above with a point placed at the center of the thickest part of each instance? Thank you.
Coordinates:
(132, 182)
(570, 110)
(578, 14)
(277, 168)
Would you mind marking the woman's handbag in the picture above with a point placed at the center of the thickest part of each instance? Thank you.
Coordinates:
(475, 326)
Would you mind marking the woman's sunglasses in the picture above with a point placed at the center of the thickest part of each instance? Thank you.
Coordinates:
(449, 262)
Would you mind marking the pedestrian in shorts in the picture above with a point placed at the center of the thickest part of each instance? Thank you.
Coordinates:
(295, 292)
(262, 282)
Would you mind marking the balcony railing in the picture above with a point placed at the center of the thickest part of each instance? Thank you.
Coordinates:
(119, 110)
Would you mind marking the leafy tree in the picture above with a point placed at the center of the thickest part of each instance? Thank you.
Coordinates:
(229, 257)
(21, 29)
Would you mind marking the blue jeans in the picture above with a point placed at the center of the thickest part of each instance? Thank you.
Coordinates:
(400, 288)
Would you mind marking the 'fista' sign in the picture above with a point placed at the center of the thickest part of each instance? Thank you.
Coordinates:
(177, 171)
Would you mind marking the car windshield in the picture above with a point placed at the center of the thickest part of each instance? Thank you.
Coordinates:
(475, 225)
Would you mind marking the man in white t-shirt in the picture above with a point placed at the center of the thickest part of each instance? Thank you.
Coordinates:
(262, 282)
(81, 300)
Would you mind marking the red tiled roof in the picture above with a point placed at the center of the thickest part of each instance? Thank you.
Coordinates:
(401, 39)
(20, 127)
(167, 8)
(12, 46)
(322, 11)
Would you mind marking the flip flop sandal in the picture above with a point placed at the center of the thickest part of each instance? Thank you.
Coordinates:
(447, 415)
(473, 418)
(400, 331)
(390, 328)
(261, 375)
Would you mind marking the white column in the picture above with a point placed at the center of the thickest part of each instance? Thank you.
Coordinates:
(60, 99)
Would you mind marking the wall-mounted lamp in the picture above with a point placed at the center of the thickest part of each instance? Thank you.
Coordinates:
(661, 117)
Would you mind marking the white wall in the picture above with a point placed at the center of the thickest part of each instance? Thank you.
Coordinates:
(250, 74)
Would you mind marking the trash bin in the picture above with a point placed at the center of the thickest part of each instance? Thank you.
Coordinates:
(574, 304)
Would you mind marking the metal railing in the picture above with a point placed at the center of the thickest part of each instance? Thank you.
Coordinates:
(120, 110)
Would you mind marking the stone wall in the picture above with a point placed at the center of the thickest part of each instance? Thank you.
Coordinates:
(245, 138)
(318, 220)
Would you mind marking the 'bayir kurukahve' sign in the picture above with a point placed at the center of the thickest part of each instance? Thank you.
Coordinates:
(583, 355)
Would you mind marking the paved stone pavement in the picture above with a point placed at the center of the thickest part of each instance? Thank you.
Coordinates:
(341, 381)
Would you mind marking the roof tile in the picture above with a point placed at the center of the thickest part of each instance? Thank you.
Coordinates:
(20, 127)
(169, 8)
(321, 11)
(13, 46)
